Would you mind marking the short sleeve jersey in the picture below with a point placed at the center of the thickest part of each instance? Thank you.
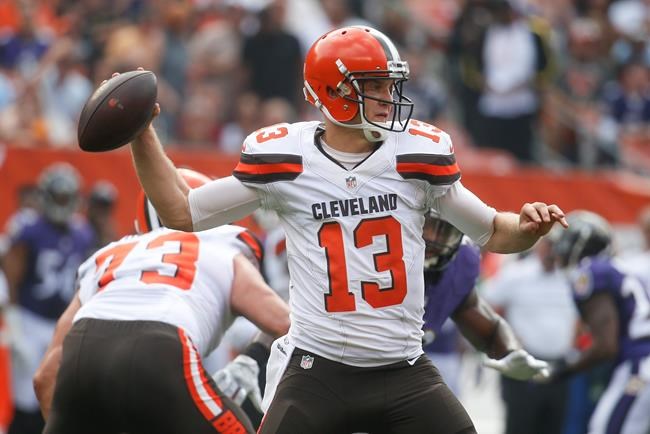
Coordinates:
(179, 278)
(353, 237)
(54, 254)
(631, 297)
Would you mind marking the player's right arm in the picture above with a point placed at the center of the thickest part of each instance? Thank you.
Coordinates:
(218, 202)
(162, 183)
(44, 379)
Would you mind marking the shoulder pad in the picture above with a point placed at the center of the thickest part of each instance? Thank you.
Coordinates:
(242, 239)
(426, 153)
(593, 275)
(272, 154)
(582, 281)
(469, 257)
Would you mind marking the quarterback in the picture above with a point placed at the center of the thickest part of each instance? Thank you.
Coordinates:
(351, 193)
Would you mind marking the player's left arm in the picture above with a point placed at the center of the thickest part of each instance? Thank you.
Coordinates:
(601, 316)
(44, 379)
(515, 233)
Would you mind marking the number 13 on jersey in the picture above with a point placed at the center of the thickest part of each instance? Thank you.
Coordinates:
(339, 298)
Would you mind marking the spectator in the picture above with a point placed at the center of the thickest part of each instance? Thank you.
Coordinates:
(429, 95)
(273, 58)
(23, 49)
(245, 121)
(64, 89)
(572, 111)
(514, 62)
(627, 100)
(275, 111)
(201, 116)
(536, 301)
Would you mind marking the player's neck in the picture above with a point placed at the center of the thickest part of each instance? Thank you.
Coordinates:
(347, 139)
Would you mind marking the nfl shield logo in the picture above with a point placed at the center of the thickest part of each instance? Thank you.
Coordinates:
(351, 181)
(306, 362)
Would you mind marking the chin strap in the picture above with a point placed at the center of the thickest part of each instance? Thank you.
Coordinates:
(373, 134)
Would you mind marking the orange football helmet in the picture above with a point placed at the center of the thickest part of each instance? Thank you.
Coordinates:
(335, 68)
(147, 219)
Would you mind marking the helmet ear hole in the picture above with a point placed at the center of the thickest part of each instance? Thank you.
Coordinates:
(331, 93)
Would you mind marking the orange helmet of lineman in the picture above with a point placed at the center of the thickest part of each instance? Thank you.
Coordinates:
(147, 219)
(335, 69)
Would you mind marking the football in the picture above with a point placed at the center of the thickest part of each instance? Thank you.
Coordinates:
(117, 111)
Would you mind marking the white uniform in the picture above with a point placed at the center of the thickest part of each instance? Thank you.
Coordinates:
(354, 237)
(179, 278)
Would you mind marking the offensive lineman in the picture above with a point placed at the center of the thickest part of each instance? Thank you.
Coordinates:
(149, 306)
(351, 193)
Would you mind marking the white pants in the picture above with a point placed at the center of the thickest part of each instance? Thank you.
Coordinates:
(625, 405)
(37, 332)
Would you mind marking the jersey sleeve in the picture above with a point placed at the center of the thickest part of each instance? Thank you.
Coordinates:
(429, 157)
(467, 212)
(269, 155)
(220, 202)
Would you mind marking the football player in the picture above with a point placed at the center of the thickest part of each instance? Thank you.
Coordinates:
(451, 269)
(46, 248)
(615, 305)
(126, 355)
(351, 193)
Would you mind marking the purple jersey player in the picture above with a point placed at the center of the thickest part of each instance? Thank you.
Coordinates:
(46, 249)
(615, 304)
(451, 269)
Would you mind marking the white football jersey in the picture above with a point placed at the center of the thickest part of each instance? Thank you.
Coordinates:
(179, 278)
(353, 237)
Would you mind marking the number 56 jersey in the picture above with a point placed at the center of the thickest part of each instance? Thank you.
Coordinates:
(179, 278)
(354, 237)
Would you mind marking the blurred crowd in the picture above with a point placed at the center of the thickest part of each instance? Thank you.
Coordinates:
(562, 82)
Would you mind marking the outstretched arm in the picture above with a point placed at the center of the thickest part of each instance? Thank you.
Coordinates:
(484, 328)
(490, 333)
(499, 232)
(45, 376)
(516, 233)
(219, 202)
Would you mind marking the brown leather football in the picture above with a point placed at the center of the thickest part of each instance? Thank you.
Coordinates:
(117, 111)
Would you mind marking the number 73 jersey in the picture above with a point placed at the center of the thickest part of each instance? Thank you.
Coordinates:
(354, 237)
(179, 278)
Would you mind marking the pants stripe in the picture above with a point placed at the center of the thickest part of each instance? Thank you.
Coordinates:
(617, 417)
(202, 394)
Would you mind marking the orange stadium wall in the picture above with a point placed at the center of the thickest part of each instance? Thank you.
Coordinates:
(616, 196)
